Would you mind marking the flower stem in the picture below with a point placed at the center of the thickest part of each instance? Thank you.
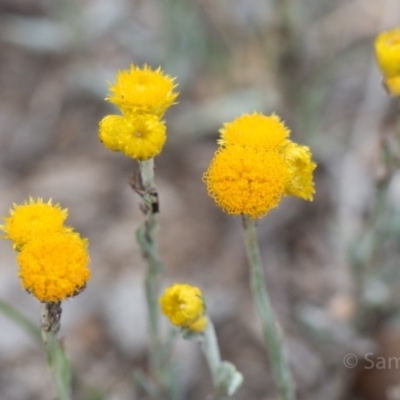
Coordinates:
(226, 379)
(150, 251)
(272, 333)
(210, 348)
(56, 358)
(147, 237)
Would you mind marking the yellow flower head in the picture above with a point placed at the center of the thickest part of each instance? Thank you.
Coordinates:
(113, 130)
(251, 178)
(387, 51)
(54, 267)
(140, 136)
(247, 180)
(255, 130)
(142, 90)
(301, 167)
(31, 219)
(183, 305)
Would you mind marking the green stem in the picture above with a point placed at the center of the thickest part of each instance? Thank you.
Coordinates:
(272, 333)
(210, 348)
(56, 358)
(226, 379)
(147, 237)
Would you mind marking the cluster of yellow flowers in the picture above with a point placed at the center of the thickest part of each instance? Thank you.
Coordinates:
(387, 51)
(256, 164)
(183, 304)
(53, 259)
(143, 96)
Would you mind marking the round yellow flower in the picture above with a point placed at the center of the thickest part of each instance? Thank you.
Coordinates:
(139, 136)
(301, 167)
(387, 51)
(183, 305)
(247, 180)
(31, 219)
(54, 267)
(113, 130)
(142, 90)
(392, 85)
(255, 130)
(145, 139)
(256, 165)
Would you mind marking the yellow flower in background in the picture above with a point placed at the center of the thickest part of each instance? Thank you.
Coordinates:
(183, 305)
(140, 136)
(251, 177)
(54, 267)
(387, 51)
(392, 85)
(301, 167)
(143, 90)
(52, 258)
(31, 219)
(254, 130)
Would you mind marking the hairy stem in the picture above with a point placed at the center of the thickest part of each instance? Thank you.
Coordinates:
(147, 237)
(225, 377)
(272, 333)
(56, 358)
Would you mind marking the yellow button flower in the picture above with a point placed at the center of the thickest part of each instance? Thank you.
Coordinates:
(138, 136)
(54, 267)
(143, 95)
(113, 131)
(143, 90)
(183, 305)
(250, 177)
(387, 51)
(31, 219)
(247, 180)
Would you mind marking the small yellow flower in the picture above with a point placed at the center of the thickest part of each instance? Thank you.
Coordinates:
(113, 130)
(143, 90)
(255, 130)
(301, 167)
(251, 177)
(392, 85)
(183, 305)
(387, 51)
(54, 267)
(31, 219)
(140, 136)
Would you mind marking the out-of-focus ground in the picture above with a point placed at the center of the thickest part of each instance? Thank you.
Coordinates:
(332, 265)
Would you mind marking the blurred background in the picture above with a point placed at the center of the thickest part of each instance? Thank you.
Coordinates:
(332, 266)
